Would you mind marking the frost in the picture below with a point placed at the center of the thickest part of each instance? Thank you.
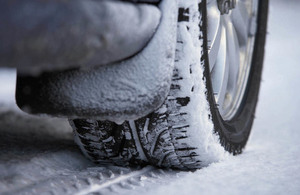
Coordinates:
(201, 129)
(121, 91)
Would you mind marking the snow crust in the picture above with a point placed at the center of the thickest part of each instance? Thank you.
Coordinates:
(140, 84)
(201, 131)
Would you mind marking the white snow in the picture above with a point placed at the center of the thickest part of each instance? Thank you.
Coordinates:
(270, 163)
(137, 85)
(200, 133)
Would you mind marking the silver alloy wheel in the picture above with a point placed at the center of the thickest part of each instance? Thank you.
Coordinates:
(231, 40)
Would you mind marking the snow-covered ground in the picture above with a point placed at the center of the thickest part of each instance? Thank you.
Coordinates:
(38, 155)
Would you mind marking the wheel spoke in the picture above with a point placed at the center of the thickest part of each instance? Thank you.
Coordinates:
(220, 71)
(233, 55)
(214, 30)
(230, 37)
(240, 18)
(214, 50)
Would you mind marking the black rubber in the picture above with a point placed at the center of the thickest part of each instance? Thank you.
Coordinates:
(105, 142)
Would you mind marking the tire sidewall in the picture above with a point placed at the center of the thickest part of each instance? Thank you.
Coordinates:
(235, 132)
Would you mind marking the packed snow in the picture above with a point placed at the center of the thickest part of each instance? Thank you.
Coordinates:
(200, 128)
(40, 151)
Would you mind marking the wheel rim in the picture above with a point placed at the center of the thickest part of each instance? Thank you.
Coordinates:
(230, 42)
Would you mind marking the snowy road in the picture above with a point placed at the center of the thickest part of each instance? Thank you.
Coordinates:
(38, 155)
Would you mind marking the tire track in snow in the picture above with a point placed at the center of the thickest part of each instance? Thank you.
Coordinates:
(38, 156)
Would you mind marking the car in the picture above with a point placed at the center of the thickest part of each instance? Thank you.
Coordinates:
(168, 83)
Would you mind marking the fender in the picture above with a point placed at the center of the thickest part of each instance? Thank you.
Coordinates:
(121, 91)
(42, 36)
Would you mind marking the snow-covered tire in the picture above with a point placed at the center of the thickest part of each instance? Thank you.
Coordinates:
(105, 142)
(187, 131)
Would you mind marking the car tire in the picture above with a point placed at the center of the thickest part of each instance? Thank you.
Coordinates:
(189, 130)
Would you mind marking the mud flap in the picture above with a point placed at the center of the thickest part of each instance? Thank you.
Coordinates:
(122, 91)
